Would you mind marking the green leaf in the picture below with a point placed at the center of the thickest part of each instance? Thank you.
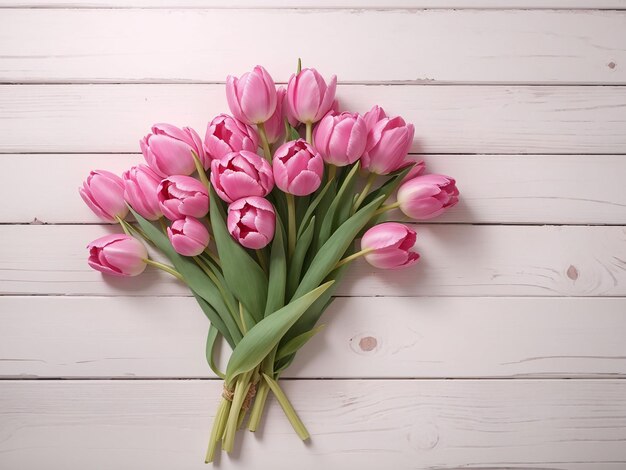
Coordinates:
(311, 209)
(278, 272)
(266, 334)
(196, 279)
(293, 133)
(244, 276)
(329, 255)
(210, 344)
(292, 346)
(297, 260)
(395, 179)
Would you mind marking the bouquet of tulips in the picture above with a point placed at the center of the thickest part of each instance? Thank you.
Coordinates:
(260, 221)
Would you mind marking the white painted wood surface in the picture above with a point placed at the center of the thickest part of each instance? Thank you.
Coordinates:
(520, 294)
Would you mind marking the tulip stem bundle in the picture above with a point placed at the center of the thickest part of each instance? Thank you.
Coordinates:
(283, 225)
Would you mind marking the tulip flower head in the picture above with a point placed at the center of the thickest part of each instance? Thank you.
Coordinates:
(168, 150)
(241, 174)
(117, 255)
(252, 221)
(188, 236)
(390, 246)
(225, 134)
(298, 168)
(275, 125)
(309, 97)
(103, 192)
(427, 196)
(252, 97)
(341, 139)
(140, 191)
(180, 196)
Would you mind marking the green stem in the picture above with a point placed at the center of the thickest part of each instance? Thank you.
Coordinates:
(291, 216)
(214, 257)
(241, 390)
(287, 407)
(262, 261)
(386, 208)
(243, 322)
(200, 169)
(366, 189)
(266, 146)
(309, 132)
(352, 257)
(163, 225)
(218, 429)
(164, 267)
(332, 171)
(258, 406)
(124, 225)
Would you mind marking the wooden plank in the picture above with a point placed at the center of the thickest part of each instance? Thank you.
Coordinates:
(563, 189)
(459, 260)
(392, 337)
(493, 46)
(313, 4)
(448, 119)
(521, 424)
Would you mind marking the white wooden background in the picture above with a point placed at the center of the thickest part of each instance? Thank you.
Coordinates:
(504, 348)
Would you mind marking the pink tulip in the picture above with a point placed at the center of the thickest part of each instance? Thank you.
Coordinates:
(341, 139)
(427, 196)
(251, 98)
(188, 236)
(241, 174)
(225, 134)
(418, 168)
(309, 96)
(390, 246)
(118, 255)
(275, 125)
(298, 168)
(388, 142)
(180, 196)
(168, 150)
(103, 192)
(140, 191)
(252, 221)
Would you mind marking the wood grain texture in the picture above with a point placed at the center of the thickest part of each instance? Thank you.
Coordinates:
(530, 189)
(458, 260)
(522, 46)
(311, 4)
(448, 119)
(388, 337)
(522, 424)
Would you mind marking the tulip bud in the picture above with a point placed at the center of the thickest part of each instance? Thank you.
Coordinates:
(251, 98)
(140, 191)
(389, 246)
(275, 125)
(241, 174)
(225, 134)
(308, 95)
(388, 142)
(188, 236)
(341, 139)
(427, 196)
(298, 168)
(168, 150)
(118, 255)
(252, 221)
(103, 192)
(180, 196)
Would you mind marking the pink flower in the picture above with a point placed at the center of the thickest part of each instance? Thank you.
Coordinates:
(275, 125)
(309, 96)
(103, 192)
(180, 196)
(225, 134)
(251, 98)
(168, 150)
(252, 221)
(418, 168)
(241, 174)
(374, 116)
(140, 191)
(427, 196)
(341, 139)
(188, 236)
(391, 246)
(298, 168)
(118, 255)
(388, 143)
